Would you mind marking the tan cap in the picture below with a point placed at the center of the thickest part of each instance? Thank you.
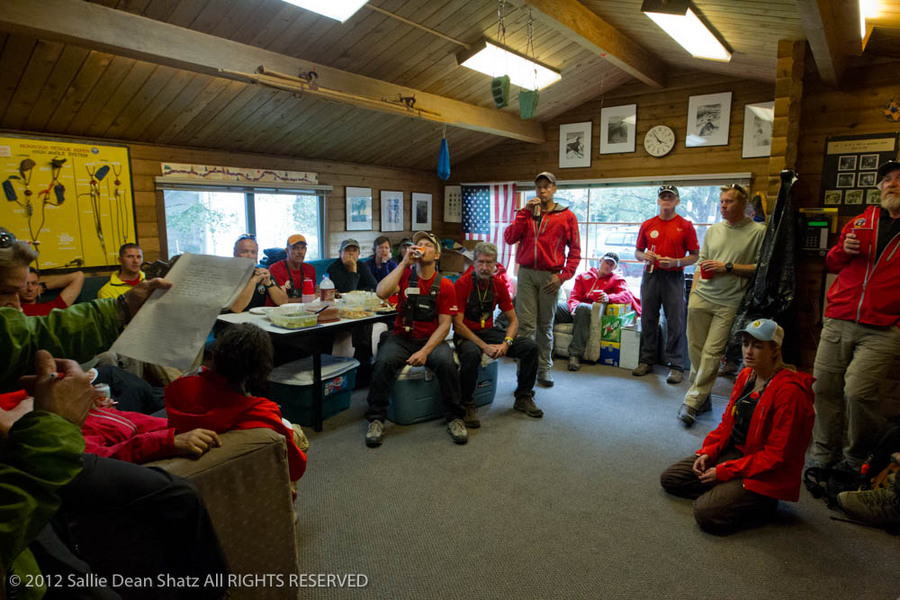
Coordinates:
(425, 235)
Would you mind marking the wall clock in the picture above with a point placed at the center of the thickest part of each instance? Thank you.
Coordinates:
(659, 141)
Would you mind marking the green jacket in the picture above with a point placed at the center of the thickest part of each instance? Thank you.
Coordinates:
(42, 454)
(78, 332)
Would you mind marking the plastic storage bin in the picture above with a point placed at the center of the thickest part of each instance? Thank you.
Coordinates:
(416, 396)
(291, 387)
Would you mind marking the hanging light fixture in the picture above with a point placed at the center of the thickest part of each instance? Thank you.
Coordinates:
(339, 10)
(681, 20)
(486, 56)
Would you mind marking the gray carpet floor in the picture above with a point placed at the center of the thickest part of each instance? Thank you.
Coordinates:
(568, 506)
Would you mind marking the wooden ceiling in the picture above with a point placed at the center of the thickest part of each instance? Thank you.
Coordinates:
(118, 69)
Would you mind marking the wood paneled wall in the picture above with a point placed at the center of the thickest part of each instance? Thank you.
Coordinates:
(150, 212)
(521, 161)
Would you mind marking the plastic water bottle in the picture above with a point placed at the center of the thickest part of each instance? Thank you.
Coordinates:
(326, 290)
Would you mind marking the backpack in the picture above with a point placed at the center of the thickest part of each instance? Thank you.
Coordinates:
(876, 470)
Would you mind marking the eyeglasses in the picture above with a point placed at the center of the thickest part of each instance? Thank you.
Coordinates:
(7, 239)
(545, 186)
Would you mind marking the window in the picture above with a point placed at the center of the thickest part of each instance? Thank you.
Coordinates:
(208, 221)
(610, 216)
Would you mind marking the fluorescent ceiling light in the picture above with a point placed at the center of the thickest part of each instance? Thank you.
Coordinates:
(339, 10)
(693, 35)
(866, 10)
(494, 60)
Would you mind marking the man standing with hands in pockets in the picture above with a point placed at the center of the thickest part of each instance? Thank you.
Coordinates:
(543, 228)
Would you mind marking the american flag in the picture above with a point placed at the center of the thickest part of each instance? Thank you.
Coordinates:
(486, 211)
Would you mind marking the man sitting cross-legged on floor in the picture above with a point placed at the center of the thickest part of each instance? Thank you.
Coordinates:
(427, 303)
(478, 292)
(595, 285)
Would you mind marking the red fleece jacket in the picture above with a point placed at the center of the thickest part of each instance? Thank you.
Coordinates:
(589, 285)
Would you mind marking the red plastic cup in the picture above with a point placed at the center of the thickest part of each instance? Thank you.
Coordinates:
(706, 273)
(865, 237)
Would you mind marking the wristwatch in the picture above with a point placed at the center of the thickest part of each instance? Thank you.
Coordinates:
(728, 267)
(508, 340)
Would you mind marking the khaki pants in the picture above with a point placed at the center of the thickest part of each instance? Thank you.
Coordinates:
(536, 310)
(851, 362)
(708, 328)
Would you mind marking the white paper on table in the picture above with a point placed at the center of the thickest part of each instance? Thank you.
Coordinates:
(172, 326)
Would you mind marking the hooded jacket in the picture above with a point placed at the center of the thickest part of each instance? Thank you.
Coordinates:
(779, 433)
(542, 244)
(206, 401)
(866, 290)
(589, 286)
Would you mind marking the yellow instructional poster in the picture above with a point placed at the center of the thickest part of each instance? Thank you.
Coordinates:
(73, 201)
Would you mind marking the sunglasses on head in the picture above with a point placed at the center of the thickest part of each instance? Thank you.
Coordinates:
(7, 239)
(246, 236)
(739, 188)
(668, 188)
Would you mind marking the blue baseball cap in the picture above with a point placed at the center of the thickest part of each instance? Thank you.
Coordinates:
(765, 330)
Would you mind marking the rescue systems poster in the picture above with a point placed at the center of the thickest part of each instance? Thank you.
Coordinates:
(73, 201)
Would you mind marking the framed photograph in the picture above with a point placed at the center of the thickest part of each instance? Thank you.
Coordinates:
(758, 119)
(853, 197)
(868, 162)
(708, 119)
(617, 129)
(873, 196)
(846, 180)
(391, 211)
(359, 209)
(453, 204)
(833, 197)
(421, 212)
(847, 163)
(867, 179)
(575, 145)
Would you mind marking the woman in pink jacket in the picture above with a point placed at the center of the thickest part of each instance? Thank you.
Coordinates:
(754, 458)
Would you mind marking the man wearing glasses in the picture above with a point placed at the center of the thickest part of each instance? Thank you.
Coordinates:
(667, 243)
(543, 229)
(726, 261)
(260, 287)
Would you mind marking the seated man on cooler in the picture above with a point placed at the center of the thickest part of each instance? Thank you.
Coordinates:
(595, 285)
(294, 276)
(426, 303)
(478, 293)
(70, 284)
(129, 274)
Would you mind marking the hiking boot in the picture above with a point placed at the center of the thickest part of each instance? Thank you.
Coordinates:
(642, 369)
(687, 415)
(879, 507)
(375, 434)
(574, 363)
(545, 380)
(674, 376)
(471, 418)
(706, 406)
(526, 405)
(458, 432)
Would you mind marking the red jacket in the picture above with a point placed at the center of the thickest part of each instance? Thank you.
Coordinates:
(776, 443)
(865, 291)
(589, 286)
(206, 401)
(542, 244)
(129, 436)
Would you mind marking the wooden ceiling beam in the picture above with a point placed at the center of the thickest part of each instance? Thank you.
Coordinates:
(93, 26)
(580, 24)
(832, 29)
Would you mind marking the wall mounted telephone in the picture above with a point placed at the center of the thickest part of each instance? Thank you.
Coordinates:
(818, 223)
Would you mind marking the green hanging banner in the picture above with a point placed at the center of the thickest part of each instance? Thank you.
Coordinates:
(528, 101)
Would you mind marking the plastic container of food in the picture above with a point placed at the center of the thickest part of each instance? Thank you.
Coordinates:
(291, 317)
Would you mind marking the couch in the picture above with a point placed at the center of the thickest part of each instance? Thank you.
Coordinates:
(562, 335)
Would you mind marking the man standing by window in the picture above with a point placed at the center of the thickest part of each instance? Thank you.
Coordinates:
(667, 243)
(543, 229)
(727, 260)
(294, 276)
(129, 275)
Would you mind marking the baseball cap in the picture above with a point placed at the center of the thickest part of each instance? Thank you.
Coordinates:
(611, 256)
(296, 239)
(885, 168)
(765, 330)
(349, 242)
(547, 175)
(667, 188)
(425, 235)
(405, 242)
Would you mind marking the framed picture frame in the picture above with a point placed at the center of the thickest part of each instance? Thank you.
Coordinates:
(847, 162)
(708, 119)
(359, 208)
(867, 179)
(868, 162)
(853, 197)
(873, 196)
(575, 145)
(391, 211)
(421, 212)
(453, 204)
(833, 197)
(617, 129)
(846, 180)
(758, 120)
